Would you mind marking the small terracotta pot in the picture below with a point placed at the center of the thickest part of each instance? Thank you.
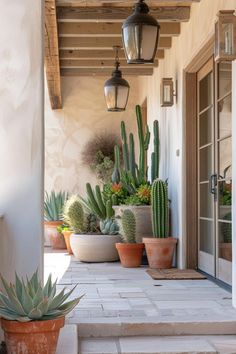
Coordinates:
(32, 337)
(130, 254)
(67, 235)
(56, 238)
(160, 252)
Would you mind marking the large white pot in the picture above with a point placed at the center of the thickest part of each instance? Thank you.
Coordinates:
(95, 248)
(143, 219)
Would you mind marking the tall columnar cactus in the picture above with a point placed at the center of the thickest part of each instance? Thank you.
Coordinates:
(132, 164)
(156, 153)
(125, 147)
(144, 140)
(160, 209)
(128, 226)
(117, 166)
(74, 215)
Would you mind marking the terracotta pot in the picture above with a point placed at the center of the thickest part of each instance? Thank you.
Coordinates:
(95, 247)
(67, 235)
(56, 238)
(142, 215)
(35, 337)
(160, 252)
(130, 254)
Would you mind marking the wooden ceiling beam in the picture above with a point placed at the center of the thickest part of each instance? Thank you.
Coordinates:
(104, 72)
(98, 54)
(64, 63)
(119, 14)
(124, 3)
(107, 29)
(52, 66)
(101, 42)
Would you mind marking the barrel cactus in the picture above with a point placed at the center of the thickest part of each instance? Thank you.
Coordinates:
(128, 226)
(160, 209)
(27, 300)
(74, 214)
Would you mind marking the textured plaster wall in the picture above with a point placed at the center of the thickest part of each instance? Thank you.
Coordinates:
(194, 35)
(67, 130)
(21, 136)
(234, 181)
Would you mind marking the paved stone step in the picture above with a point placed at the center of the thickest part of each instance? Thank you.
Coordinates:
(68, 340)
(160, 345)
(107, 327)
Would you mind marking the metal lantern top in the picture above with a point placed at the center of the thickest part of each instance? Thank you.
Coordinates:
(116, 79)
(141, 16)
(225, 36)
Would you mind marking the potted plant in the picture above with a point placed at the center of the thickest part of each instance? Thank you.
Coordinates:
(160, 249)
(89, 242)
(32, 315)
(53, 211)
(131, 176)
(66, 232)
(130, 252)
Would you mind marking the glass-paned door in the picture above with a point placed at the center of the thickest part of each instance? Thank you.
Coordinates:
(214, 170)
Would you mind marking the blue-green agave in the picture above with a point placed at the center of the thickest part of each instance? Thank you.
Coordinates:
(27, 300)
(53, 205)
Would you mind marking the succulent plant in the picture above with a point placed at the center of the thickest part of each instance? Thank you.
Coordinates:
(53, 205)
(128, 226)
(109, 227)
(74, 215)
(160, 209)
(103, 210)
(27, 300)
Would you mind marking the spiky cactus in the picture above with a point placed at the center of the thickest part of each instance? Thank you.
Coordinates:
(160, 209)
(128, 226)
(117, 165)
(27, 300)
(74, 215)
(155, 157)
(144, 140)
(125, 147)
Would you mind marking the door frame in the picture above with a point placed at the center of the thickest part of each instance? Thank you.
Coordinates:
(190, 214)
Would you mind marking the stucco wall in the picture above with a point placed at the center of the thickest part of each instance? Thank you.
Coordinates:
(67, 130)
(21, 136)
(194, 35)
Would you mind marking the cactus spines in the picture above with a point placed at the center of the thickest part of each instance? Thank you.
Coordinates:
(116, 172)
(156, 154)
(74, 215)
(128, 226)
(143, 142)
(125, 147)
(160, 209)
(132, 156)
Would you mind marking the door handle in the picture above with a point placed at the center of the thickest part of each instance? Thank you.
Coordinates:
(213, 184)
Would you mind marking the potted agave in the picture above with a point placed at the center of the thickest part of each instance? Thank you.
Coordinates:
(160, 249)
(53, 210)
(130, 252)
(96, 244)
(32, 315)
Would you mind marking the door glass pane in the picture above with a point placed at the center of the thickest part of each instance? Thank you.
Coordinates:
(205, 130)
(225, 200)
(206, 236)
(225, 158)
(205, 163)
(225, 120)
(225, 240)
(206, 91)
(206, 203)
(225, 78)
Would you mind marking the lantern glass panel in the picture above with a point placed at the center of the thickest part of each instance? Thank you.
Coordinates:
(228, 35)
(140, 42)
(116, 97)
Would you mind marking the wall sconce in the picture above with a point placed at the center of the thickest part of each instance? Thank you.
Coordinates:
(167, 92)
(225, 36)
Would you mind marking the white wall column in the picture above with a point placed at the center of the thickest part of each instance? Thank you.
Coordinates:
(21, 137)
(234, 180)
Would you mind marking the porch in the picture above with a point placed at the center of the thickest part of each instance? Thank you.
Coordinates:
(126, 311)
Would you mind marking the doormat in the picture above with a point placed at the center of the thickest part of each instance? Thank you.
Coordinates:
(175, 274)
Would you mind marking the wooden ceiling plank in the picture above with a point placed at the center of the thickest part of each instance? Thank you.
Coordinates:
(104, 72)
(107, 29)
(101, 42)
(98, 54)
(52, 66)
(115, 14)
(101, 64)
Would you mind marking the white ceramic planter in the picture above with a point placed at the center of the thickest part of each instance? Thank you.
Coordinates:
(95, 248)
(143, 219)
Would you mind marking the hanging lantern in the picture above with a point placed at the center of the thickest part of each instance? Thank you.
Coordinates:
(140, 33)
(116, 89)
(225, 36)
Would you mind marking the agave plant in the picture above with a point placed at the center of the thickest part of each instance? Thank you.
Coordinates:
(28, 300)
(53, 205)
